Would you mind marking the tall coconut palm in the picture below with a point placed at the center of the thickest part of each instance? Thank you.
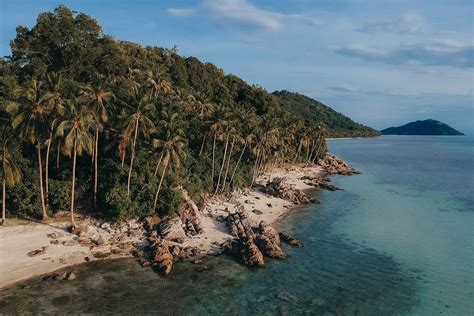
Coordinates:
(56, 110)
(170, 144)
(156, 83)
(76, 130)
(98, 99)
(30, 116)
(10, 172)
(138, 120)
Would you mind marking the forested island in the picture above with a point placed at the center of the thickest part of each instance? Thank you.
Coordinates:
(110, 127)
(426, 127)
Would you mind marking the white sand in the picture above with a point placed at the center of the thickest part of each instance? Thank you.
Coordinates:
(17, 240)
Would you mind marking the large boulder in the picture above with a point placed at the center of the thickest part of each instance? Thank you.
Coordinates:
(268, 242)
(251, 255)
(162, 257)
(172, 229)
(279, 188)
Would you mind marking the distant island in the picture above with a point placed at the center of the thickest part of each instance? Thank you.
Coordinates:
(426, 127)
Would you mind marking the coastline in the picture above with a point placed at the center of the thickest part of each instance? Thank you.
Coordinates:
(67, 250)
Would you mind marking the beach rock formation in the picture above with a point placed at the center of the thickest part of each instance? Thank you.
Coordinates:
(334, 165)
(290, 240)
(279, 188)
(268, 242)
(252, 244)
(190, 215)
(172, 229)
(161, 257)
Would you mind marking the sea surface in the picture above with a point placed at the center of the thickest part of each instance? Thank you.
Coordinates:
(398, 240)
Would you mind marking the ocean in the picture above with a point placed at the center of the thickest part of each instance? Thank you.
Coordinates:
(397, 240)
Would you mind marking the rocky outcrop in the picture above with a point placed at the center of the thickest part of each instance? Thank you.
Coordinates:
(172, 229)
(290, 240)
(320, 184)
(279, 188)
(161, 257)
(334, 165)
(252, 244)
(268, 242)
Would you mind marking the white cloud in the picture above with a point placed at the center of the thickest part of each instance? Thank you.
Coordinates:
(242, 12)
(409, 22)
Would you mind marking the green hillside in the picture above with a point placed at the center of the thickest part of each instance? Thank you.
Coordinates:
(337, 124)
(426, 127)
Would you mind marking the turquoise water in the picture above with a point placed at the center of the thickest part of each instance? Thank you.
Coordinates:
(399, 240)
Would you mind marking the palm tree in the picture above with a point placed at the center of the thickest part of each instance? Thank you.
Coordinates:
(156, 82)
(76, 129)
(98, 98)
(170, 144)
(30, 115)
(56, 110)
(10, 171)
(138, 120)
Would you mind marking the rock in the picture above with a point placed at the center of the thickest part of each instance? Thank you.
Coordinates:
(175, 250)
(101, 241)
(279, 188)
(220, 218)
(290, 240)
(269, 204)
(268, 242)
(105, 226)
(38, 252)
(101, 255)
(162, 257)
(258, 212)
(151, 222)
(172, 230)
(70, 276)
(56, 235)
(69, 242)
(54, 242)
(251, 255)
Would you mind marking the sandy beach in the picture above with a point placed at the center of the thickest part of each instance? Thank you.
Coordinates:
(19, 239)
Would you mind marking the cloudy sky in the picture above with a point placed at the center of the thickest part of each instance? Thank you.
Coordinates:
(383, 63)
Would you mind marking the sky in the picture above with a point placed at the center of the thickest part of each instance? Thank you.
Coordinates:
(382, 63)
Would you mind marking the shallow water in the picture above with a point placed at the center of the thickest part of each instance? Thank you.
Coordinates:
(398, 240)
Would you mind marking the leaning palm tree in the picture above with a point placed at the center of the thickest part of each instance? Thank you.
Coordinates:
(76, 130)
(138, 120)
(98, 98)
(171, 145)
(30, 116)
(10, 172)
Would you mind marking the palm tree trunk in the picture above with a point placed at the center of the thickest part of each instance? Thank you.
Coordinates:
(237, 165)
(96, 154)
(254, 174)
(158, 164)
(213, 158)
(73, 182)
(202, 145)
(43, 207)
(228, 163)
(297, 153)
(132, 158)
(48, 148)
(123, 158)
(159, 186)
(311, 152)
(223, 162)
(58, 154)
(4, 187)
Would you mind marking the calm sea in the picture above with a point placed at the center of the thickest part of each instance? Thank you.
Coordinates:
(398, 240)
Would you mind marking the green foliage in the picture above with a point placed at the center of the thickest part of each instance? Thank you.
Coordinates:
(338, 125)
(59, 195)
(76, 84)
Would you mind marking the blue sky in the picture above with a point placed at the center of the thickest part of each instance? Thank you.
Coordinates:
(382, 63)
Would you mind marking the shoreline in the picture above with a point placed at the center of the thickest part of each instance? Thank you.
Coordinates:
(58, 249)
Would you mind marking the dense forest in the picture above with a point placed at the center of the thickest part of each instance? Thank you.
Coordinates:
(337, 124)
(426, 127)
(97, 125)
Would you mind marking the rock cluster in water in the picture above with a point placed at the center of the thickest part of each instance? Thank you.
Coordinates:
(252, 244)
